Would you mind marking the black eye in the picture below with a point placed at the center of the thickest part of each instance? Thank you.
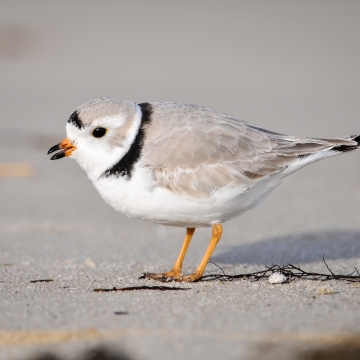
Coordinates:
(99, 132)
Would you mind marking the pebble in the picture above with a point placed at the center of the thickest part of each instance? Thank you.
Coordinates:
(277, 278)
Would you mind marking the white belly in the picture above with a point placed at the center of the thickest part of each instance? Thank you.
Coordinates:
(141, 198)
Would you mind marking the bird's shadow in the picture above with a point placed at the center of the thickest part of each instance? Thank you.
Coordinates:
(294, 248)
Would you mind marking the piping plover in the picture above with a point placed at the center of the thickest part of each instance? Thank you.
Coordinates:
(184, 165)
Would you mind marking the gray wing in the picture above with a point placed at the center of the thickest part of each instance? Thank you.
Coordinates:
(195, 151)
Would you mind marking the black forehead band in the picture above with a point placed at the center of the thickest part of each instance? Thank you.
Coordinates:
(74, 118)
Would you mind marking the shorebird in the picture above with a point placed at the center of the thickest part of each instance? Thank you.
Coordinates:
(184, 165)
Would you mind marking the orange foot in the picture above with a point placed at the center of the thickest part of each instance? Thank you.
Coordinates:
(172, 275)
(195, 276)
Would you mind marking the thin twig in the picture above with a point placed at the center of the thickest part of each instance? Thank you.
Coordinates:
(41, 280)
(327, 265)
(218, 267)
(357, 271)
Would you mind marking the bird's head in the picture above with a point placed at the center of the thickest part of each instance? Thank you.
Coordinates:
(99, 133)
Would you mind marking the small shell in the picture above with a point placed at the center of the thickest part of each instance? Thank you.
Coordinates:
(89, 263)
(325, 290)
(277, 278)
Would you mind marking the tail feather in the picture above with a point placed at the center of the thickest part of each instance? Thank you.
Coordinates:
(350, 147)
(326, 148)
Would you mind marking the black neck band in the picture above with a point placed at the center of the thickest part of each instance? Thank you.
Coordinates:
(126, 164)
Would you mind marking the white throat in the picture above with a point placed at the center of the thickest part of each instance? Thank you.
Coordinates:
(94, 160)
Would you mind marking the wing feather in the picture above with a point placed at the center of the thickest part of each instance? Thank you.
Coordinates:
(196, 151)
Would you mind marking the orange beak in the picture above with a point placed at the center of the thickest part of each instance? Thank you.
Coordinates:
(66, 148)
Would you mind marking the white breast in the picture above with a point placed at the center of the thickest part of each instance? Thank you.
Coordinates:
(140, 197)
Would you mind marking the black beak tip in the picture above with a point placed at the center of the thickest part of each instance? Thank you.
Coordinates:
(58, 155)
(54, 148)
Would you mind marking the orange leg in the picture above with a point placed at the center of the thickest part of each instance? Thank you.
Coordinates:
(198, 273)
(176, 270)
(175, 273)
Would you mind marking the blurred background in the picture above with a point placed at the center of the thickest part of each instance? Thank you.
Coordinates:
(289, 66)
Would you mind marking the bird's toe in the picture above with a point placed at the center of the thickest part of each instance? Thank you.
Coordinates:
(171, 275)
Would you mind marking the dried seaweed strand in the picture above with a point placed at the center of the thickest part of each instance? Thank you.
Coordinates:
(292, 272)
(132, 288)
